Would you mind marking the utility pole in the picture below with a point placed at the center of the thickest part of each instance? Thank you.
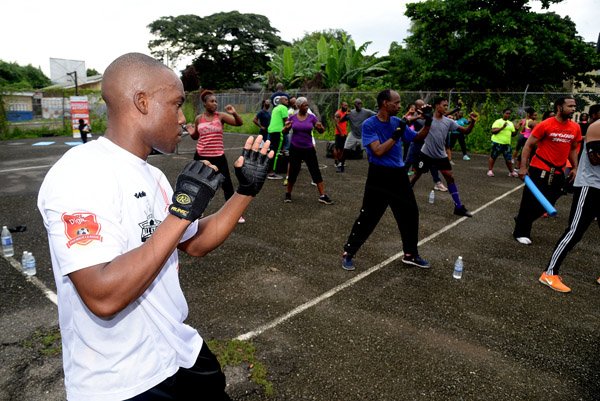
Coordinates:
(74, 76)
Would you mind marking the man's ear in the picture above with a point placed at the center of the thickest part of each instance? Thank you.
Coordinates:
(140, 99)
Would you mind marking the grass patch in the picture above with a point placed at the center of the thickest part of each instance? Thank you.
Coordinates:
(46, 342)
(236, 352)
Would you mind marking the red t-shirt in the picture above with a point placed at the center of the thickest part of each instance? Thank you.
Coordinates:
(343, 126)
(554, 142)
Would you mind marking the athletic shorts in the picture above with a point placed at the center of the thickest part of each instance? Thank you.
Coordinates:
(352, 141)
(340, 140)
(424, 163)
(499, 149)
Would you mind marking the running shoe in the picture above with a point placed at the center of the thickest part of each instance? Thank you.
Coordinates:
(598, 280)
(347, 263)
(439, 186)
(274, 176)
(241, 220)
(285, 181)
(466, 158)
(554, 281)
(490, 173)
(452, 163)
(416, 260)
(313, 183)
(462, 211)
(325, 199)
(513, 174)
(288, 198)
(523, 240)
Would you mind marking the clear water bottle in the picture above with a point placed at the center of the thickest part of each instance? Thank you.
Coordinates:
(431, 196)
(7, 243)
(30, 269)
(24, 261)
(458, 268)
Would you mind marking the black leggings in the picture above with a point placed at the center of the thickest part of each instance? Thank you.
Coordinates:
(385, 187)
(202, 382)
(221, 163)
(297, 155)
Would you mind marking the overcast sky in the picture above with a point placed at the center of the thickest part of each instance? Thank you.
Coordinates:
(97, 32)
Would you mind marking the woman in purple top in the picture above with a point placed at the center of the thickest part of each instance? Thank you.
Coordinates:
(303, 149)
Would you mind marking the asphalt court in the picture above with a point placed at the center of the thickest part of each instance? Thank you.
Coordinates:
(383, 331)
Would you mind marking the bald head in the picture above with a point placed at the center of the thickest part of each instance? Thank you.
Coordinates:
(128, 74)
(144, 102)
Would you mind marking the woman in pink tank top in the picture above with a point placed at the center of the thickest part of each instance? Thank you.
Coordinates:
(208, 130)
(526, 126)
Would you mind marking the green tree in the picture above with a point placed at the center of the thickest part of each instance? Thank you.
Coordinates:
(91, 72)
(230, 49)
(489, 44)
(328, 59)
(16, 77)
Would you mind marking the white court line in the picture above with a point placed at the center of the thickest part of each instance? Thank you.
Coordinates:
(25, 168)
(47, 292)
(276, 322)
(281, 319)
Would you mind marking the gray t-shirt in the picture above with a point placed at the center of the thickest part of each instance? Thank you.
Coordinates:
(356, 119)
(435, 141)
(587, 175)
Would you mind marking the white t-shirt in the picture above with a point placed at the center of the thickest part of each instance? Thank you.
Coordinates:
(98, 202)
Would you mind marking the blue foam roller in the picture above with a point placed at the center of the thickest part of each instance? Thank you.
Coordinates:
(540, 197)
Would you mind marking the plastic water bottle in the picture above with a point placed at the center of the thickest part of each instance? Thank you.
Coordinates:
(431, 196)
(24, 261)
(28, 263)
(30, 269)
(7, 243)
(458, 268)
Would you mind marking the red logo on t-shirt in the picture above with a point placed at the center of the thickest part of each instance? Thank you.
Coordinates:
(81, 228)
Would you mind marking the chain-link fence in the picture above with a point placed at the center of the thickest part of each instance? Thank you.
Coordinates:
(324, 103)
(488, 105)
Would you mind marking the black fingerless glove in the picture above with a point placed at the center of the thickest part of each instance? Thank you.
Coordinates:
(253, 173)
(399, 132)
(428, 119)
(196, 186)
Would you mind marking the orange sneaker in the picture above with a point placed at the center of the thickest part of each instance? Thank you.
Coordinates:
(553, 281)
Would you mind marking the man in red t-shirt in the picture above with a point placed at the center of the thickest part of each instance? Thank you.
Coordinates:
(557, 140)
(341, 132)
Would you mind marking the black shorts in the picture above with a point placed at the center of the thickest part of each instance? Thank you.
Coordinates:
(424, 163)
(340, 141)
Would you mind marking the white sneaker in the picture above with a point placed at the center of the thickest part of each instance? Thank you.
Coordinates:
(466, 158)
(523, 240)
(513, 174)
(242, 220)
(490, 173)
(440, 187)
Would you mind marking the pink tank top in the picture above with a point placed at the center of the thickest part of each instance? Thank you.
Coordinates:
(527, 131)
(210, 140)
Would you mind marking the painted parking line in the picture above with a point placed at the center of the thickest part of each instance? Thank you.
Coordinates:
(10, 170)
(74, 143)
(315, 301)
(43, 143)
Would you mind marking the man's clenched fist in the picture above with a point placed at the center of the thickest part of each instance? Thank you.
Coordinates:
(196, 186)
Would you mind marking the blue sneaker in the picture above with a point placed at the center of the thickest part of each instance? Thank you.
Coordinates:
(416, 260)
(347, 263)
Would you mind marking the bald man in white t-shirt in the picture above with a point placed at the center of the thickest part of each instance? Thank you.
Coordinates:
(114, 230)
